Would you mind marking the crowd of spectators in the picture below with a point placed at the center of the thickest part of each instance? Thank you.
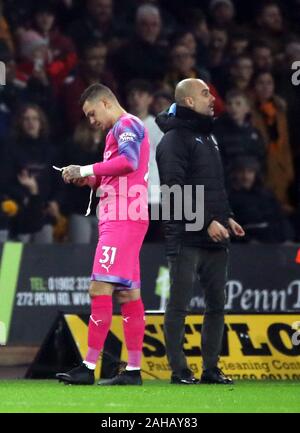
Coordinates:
(53, 50)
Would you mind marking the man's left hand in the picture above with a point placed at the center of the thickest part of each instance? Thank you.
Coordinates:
(236, 229)
(71, 172)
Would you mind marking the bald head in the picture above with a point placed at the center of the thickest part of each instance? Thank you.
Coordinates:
(194, 93)
(188, 88)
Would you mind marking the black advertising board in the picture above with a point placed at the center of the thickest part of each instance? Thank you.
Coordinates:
(52, 279)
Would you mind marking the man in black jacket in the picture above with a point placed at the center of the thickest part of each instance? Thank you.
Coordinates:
(188, 154)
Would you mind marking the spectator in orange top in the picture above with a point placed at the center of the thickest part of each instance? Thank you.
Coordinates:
(5, 33)
(269, 117)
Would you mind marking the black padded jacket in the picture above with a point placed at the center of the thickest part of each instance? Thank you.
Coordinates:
(188, 154)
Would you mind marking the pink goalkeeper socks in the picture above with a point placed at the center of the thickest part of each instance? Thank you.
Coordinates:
(99, 324)
(134, 329)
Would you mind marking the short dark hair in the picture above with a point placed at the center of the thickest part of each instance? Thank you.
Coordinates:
(239, 35)
(267, 4)
(193, 16)
(140, 86)
(5, 53)
(44, 8)
(95, 91)
(260, 44)
(237, 93)
(164, 94)
(175, 38)
(245, 55)
(258, 73)
(90, 44)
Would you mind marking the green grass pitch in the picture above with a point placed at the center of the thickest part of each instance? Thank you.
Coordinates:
(48, 396)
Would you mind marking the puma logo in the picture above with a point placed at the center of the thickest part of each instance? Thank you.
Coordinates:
(95, 321)
(106, 267)
(214, 141)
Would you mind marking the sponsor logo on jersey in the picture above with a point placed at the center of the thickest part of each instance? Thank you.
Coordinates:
(127, 136)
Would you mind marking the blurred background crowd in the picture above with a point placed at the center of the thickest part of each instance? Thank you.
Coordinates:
(53, 50)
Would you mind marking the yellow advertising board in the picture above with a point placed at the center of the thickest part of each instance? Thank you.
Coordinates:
(254, 346)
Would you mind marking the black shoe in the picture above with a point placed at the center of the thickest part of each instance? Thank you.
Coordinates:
(215, 375)
(126, 377)
(184, 377)
(77, 376)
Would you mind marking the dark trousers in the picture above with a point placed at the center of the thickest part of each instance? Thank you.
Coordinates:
(211, 266)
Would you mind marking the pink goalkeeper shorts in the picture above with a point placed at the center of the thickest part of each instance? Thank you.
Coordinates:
(117, 254)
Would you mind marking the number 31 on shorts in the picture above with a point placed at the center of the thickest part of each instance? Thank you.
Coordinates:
(109, 254)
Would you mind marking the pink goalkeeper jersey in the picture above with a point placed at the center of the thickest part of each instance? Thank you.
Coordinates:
(124, 172)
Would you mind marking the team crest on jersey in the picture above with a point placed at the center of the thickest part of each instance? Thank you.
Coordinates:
(127, 136)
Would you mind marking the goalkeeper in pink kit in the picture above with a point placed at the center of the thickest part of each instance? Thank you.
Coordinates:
(123, 223)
